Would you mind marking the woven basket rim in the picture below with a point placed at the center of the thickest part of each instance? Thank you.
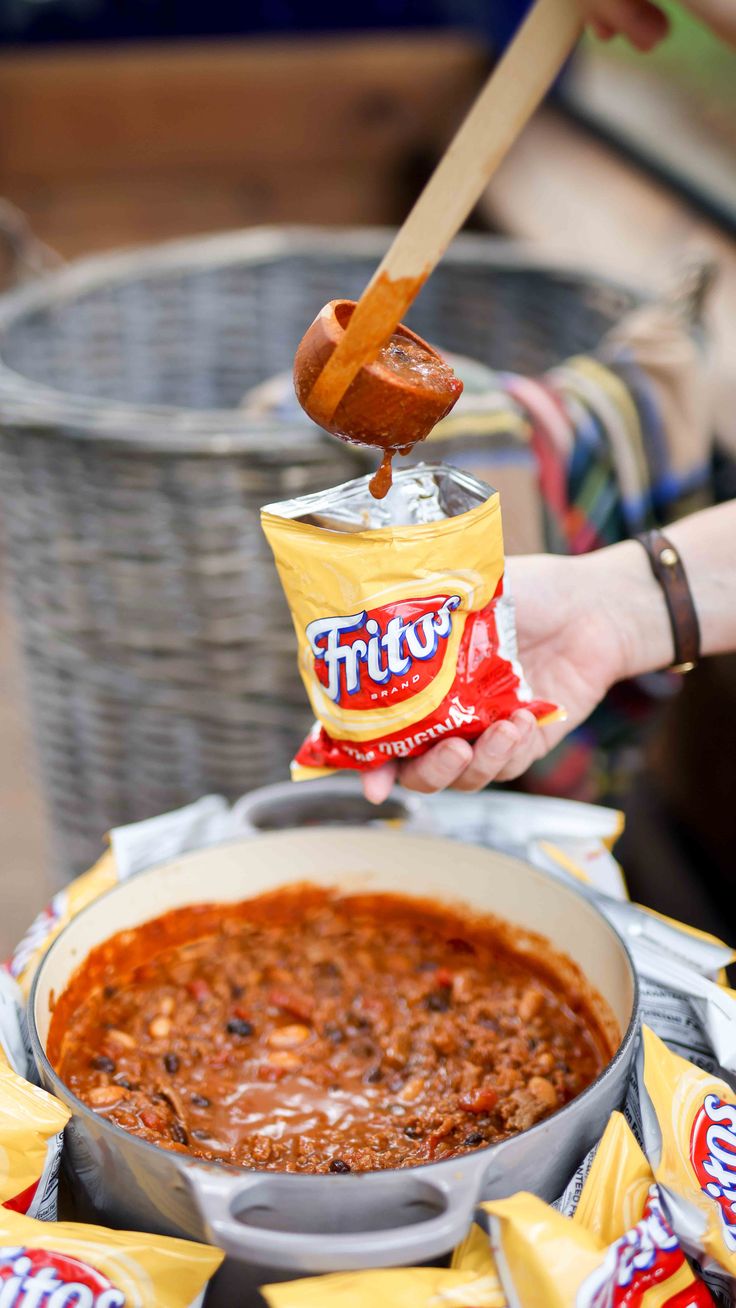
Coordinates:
(168, 429)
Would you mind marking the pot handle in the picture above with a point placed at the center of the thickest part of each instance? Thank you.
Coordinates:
(307, 1223)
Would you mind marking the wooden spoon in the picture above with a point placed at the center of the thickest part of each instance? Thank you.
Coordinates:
(326, 368)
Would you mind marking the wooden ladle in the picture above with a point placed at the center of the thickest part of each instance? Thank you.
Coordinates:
(339, 348)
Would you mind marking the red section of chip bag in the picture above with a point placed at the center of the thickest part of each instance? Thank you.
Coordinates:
(486, 688)
(647, 1256)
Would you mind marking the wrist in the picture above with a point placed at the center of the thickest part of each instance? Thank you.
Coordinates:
(637, 611)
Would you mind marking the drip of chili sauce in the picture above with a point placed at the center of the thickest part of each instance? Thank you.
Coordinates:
(414, 366)
(390, 403)
(305, 1031)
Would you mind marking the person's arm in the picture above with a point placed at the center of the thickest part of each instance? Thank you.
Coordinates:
(583, 624)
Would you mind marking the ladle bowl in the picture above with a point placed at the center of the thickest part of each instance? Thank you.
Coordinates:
(390, 404)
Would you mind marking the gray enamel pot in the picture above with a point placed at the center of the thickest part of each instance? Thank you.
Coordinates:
(299, 1223)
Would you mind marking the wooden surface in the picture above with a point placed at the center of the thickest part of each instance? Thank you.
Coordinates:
(116, 146)
(576, 198)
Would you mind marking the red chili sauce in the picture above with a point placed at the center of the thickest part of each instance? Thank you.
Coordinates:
(302, 1031)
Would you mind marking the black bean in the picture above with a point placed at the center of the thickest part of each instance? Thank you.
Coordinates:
(178, 1133)
(374, 1075)
(413, 1132)
(110, 992)
(239, 1027)
(337, 1165)
(532, 1042)
(237, 992)
(201, 1101)
(201, 1135)
(427, 966)
(475, 1138)
(563, 1067)
(438, 1001)
(102, 1063)
(124, 1082)
(171, 1063)
(334, 1033)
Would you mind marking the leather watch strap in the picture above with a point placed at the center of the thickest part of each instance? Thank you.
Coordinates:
(669, 571)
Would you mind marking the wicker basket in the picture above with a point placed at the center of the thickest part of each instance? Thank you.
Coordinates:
(158, 648)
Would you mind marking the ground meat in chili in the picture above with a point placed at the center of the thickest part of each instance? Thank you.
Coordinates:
(303, 1031)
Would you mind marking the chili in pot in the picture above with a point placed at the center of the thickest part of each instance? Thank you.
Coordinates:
(308, 1031)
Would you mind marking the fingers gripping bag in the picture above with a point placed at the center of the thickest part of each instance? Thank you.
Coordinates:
(546, 1260)
(31, 1127)
(405, 634)
(689, 1127)
(70, 1265)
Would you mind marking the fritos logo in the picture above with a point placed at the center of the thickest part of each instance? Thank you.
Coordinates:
(713, 1156)
(648, 1255)
(383, 655)
(40, 1278)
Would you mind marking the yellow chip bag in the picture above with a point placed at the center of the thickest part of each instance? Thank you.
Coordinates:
(616, 1189)
(689, 1126)
(63, 907)
(31, 1127)
(70, 1265)
(406, 1287)
(473, 1254)
(546, 1260)
(405, 634)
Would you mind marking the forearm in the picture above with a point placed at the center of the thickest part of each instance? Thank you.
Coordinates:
(706, 542)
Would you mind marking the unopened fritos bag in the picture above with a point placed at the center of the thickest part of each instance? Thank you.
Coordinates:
(70, 1265)
(405, 634)
(616, 1189)
(406, 1287)
(31, 1128)
(689, 1126)
(546, 1260)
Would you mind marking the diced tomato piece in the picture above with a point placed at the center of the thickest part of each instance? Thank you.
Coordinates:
(479, 1101)
(444, 977)
(199, 989)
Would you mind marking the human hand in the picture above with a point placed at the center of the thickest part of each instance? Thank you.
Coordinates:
(645, 24)
(582, 624)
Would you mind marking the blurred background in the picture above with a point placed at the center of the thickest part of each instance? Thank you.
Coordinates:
(128, 122)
